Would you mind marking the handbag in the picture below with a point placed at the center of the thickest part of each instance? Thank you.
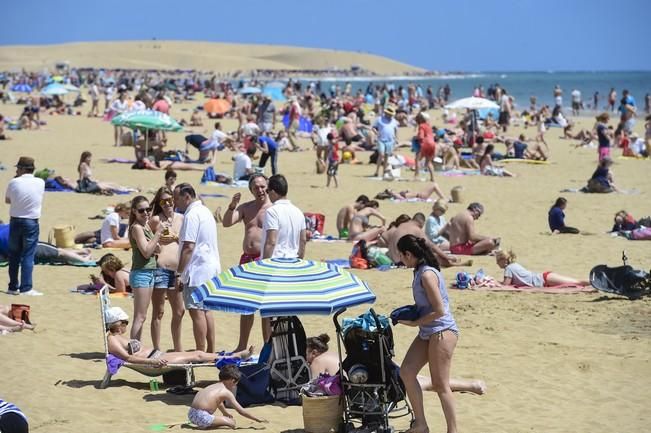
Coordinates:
(20, 312)
(254, 386)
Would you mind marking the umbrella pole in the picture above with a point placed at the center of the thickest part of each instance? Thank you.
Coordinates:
(146, 143)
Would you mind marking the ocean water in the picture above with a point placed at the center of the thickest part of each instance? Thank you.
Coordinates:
(522, 85)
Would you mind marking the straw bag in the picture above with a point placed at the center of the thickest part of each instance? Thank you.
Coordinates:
(322, 414)
(63, 236)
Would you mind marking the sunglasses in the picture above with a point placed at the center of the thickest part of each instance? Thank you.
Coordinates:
(142, 210)
(166, 202)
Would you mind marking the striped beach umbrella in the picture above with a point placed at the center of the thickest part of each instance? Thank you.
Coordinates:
(283, 287)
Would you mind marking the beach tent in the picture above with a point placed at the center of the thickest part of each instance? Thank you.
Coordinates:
(275, 93)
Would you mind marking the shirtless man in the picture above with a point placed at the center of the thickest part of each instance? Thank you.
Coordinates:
(460, 230)
(252, 214)
(346, 214)
(415, 227)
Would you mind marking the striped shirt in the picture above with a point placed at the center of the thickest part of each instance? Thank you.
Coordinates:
(6, 407)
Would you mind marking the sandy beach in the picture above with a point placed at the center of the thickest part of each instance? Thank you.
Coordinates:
(552, 362)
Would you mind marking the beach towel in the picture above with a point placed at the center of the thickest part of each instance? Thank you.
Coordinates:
(327, 238)
(525, 161)
(342, 263)
(457, 173)
(566, 289)
(632, 191)
(235, 184)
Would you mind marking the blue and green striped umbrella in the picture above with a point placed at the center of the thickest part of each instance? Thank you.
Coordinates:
(283, 287)
(147, 119)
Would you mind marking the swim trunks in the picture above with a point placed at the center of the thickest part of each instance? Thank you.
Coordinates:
(462, 249)
(200, 417)
(247, 258)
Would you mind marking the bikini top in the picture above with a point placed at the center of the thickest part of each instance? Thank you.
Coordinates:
(133, 347)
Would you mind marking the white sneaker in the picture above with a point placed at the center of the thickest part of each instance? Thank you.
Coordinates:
(13, 292)
(32, 293)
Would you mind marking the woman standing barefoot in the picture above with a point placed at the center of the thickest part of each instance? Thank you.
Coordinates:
(437, 335)
(166, 264)
(144, 247)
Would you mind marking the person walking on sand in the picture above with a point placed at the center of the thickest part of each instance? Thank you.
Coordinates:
(464, 240)
(387, 136)
(437, 333)
(24, 195)
(198, 261)
(251, 213)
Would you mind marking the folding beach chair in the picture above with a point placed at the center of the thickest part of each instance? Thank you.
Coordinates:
(146, 370)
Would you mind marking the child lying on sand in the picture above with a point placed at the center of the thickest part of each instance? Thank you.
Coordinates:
(213, 397)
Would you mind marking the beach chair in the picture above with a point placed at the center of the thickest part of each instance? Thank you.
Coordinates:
(146, 370)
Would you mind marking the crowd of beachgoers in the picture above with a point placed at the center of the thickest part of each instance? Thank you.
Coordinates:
(172, 234)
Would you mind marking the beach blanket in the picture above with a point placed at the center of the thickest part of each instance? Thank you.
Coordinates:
(631, 157)
(327, 238)
(525, 161)
(457, 173)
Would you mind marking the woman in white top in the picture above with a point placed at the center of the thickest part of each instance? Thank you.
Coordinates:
(110, 231)
(435, 222)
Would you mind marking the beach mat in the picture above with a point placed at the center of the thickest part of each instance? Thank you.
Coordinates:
(119, 160)
(411, 200)
(236, 184)
(458, 173)
(77, 265)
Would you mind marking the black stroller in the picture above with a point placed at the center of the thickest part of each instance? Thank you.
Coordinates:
(373, 390)
(621, 280)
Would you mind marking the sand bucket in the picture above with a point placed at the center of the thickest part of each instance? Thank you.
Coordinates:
(322, 414)
(63, 236)
(457, 194)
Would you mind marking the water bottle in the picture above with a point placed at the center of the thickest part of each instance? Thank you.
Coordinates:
(153, 385)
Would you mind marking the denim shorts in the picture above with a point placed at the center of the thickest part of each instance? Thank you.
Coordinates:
(385, 148)
(164, 279)
(191, 304)
(141, 278)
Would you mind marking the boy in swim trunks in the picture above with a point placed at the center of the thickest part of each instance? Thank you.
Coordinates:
(213, 397)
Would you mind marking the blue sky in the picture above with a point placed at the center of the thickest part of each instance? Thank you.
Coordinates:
(446, 35)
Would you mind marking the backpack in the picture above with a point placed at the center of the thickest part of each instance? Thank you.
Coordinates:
(359, 256)
(314, 224)
(463, 280)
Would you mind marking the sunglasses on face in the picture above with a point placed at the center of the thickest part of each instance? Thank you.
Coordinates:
(142, 210)
(166, 202)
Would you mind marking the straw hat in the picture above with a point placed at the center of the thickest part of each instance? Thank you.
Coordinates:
(441, 205)
(390, 111)
(25, 162)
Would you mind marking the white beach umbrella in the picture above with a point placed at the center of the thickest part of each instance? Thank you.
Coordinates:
(472, 103)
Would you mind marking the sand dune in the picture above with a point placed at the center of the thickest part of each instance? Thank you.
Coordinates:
(553, 363)
(207, 56)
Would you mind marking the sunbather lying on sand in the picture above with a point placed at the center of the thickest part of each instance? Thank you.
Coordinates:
(7, 324)
(418, 195)
(135, 352)
(516, 275)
